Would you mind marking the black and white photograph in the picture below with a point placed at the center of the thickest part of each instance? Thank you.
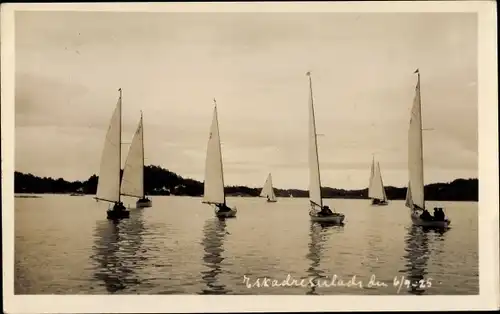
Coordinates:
(332, 151)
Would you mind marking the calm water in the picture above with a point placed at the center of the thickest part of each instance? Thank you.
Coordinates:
(65, 245)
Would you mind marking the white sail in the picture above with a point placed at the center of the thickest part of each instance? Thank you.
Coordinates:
(108, 187)
(214, 176)
(382, 183)
(408, 201)
(415, 152)
(268, 190)
(377, 190)
(314, 175)
(133, 172)
(372, 174)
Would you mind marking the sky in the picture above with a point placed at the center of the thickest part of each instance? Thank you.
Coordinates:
(69, 66)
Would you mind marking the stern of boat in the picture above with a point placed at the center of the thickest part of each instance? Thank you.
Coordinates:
(117, 212)
(224, 214)
(336, 218)
(144, 203)
(415, 218)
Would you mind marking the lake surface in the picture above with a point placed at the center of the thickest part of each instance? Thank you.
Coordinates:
(65, 245)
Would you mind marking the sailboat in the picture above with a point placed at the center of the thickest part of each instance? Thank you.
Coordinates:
(376, 189)
(133, 172)
(415, 198)
(268, 190)
(214, 193)
(318, 212)
(108, 185)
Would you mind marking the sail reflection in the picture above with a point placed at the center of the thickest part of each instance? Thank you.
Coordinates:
(214, 233)
(318, 235)
(116, 252)
(417, 255)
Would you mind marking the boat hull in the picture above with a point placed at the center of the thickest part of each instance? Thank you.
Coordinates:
(415, 218)
(118, 212)
(226, 214)
(144, 203)
(336, 218)
(379, 203)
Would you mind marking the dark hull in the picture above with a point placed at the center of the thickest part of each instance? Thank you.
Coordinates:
(143, 203)
(334, 218)
(225, 213)
(118, 212)
(442, 224)
(376, 202)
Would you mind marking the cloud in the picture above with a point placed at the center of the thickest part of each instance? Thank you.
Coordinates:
(171, 66)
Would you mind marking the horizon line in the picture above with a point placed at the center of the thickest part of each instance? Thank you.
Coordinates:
(255, 187)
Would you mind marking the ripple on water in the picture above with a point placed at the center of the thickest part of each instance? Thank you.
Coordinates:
(159, 251)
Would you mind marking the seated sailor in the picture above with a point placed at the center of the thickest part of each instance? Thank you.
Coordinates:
(426, 215)
(325, 211)
(223, 207)
(119, 206)
(435, 215)
(441, 214)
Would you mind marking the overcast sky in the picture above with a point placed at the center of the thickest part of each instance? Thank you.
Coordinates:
(69, 66)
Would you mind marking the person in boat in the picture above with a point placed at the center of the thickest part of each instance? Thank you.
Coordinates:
(223, 208)
(435, 215)
(440, 214)
(325, 211)
(119, 206)
(443, 215)
(426, 215)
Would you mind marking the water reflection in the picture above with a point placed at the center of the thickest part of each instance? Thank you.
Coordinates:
(214, 233)
(418, 251)
(117, 252)
(318, 234)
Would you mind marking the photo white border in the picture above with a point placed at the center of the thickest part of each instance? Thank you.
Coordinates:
(488, 177)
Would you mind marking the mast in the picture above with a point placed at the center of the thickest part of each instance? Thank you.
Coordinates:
(308, 74)
(142, 142)
(220, 150)
(120, 142)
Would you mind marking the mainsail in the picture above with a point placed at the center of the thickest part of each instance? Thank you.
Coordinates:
(268, 190)
(108, 187)
(314, 175)
(408, 201)
(372, 174)
(214, 176)
(376, 189)
(133, 172)
(415, 154)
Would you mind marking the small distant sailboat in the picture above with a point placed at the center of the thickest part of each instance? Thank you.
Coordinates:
(214, 193)
(268, 190)
(79, 192)
(415, 199)
(133, 172)
(318, 212)
(376, 190)
(108, 185)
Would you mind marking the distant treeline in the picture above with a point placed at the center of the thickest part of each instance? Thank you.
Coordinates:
(159, 181)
